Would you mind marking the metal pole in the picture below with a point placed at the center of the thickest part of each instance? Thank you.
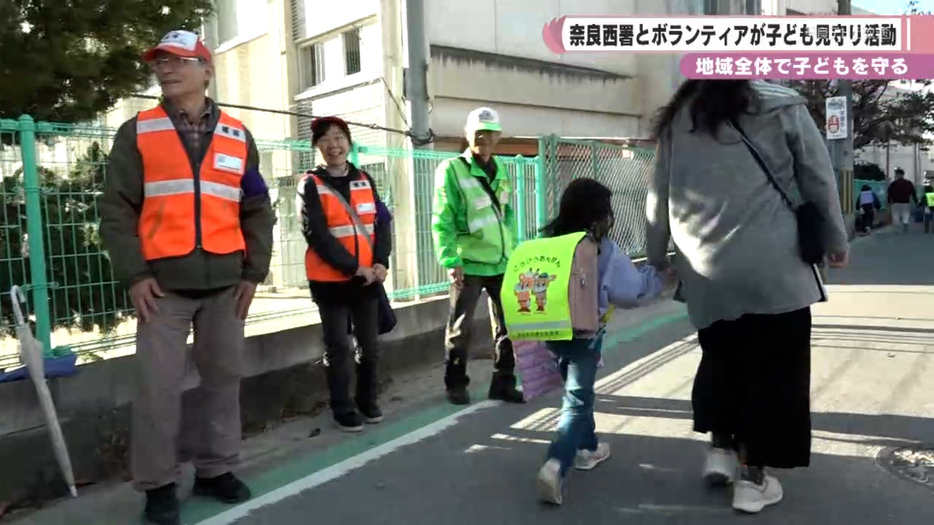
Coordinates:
(841, 150)
(417, 75)
(39, 281)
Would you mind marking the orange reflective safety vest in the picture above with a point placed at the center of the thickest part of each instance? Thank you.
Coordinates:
(183, 210)
(341, 225)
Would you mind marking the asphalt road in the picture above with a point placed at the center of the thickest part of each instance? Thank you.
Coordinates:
(482, 468)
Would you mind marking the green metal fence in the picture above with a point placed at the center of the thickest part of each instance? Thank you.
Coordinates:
(623, 169)
(52, 176)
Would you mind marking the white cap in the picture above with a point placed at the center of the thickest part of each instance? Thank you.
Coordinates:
(482, 119)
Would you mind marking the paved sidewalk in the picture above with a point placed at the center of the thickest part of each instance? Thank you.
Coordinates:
(873, 364)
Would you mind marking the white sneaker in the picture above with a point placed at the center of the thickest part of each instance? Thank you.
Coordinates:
(550, 484)
(751, 498)
(721, 466)
(588, 459)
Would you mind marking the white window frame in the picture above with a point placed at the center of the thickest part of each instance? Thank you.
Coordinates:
(250, 18)
(305, 62)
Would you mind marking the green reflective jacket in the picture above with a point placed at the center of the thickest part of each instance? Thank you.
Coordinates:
(468, 230)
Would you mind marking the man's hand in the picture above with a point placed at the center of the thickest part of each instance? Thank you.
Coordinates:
(243, 294)
(144, 294)
(368, 274)
(381, 272)
(839, 260)
(457, 277)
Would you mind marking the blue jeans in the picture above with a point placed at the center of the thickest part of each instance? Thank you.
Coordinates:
(578, 360)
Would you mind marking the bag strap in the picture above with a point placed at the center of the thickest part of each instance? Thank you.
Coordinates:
(765, 169)
(358, 224)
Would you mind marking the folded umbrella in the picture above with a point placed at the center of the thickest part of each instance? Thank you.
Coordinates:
(30, 352)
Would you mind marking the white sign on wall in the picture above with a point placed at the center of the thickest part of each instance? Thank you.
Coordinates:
(837, 120)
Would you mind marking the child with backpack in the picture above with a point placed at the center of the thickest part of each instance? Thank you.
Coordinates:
(584, 221)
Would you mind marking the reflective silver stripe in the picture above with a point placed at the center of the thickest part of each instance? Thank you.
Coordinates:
(324, 190)
(349, 231)
(221, 191)
(168, 187)
(232, 132)
(156, 124)
(482, 222)
(469, 183)
(482, 202)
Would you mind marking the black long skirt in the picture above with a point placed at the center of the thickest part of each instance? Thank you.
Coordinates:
(753, 384)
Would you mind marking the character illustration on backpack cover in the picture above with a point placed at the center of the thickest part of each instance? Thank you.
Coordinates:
(523, 291)
(533, 283)
(540, 290)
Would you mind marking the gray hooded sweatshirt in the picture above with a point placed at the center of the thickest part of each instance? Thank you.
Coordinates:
(735, 239)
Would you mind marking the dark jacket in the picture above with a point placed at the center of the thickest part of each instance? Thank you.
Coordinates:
(902, 191)
(319, 238)
(122, 202)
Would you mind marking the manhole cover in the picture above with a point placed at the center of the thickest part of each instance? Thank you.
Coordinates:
(912, 463)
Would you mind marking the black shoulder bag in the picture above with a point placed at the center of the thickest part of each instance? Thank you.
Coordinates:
(810, 221)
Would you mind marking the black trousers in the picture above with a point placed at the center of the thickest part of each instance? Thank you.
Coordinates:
(459, 332)
(868, 218)
(361, 311)
(753, 386)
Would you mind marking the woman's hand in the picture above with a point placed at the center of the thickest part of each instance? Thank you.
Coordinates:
(381, 272)
(368, 274)
(839, 260)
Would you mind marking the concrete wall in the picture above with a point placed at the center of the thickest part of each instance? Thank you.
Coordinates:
(282, 372)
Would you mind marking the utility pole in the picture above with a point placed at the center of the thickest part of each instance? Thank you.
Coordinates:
(416, 78)
(841, 150)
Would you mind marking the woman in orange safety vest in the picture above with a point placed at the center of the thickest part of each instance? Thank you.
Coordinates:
(347, 259)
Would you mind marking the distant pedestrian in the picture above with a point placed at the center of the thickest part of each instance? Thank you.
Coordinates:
(727, 152)
(347, 257)
(901, 195)
(188, 222)
(867, 202)
(928, 204)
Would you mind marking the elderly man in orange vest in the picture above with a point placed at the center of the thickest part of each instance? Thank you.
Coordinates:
(187, 219)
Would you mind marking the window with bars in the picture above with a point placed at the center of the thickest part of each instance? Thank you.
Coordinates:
(311, 65)
(351, 40)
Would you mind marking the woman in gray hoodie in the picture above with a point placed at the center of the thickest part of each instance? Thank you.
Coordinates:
(747, 289)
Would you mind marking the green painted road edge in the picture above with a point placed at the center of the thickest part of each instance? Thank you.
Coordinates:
(198, 510)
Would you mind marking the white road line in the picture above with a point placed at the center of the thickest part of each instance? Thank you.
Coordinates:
(335, 471)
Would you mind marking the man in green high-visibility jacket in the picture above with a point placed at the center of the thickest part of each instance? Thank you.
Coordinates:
(474, 230)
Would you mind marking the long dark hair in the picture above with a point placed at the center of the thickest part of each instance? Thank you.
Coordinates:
(586, 205)
(713, 102)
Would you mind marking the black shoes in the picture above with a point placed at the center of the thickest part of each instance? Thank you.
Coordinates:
(162, 506)
(349, 421)
(503, 388)
(371, 414)
(225, 488)
(458, 396)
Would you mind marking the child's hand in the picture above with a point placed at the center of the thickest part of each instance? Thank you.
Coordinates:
(670, 277)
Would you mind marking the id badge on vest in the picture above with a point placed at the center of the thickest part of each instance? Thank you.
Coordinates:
(228, 163)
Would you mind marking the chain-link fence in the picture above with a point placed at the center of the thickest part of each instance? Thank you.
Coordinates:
(623, 169)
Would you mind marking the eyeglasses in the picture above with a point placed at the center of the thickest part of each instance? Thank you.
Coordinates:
(174, 61)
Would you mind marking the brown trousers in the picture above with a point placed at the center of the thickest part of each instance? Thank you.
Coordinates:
(209, 432)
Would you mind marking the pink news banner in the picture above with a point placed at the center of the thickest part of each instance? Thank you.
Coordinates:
(762, 47)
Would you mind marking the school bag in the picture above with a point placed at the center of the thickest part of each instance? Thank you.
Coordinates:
(551, 289)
